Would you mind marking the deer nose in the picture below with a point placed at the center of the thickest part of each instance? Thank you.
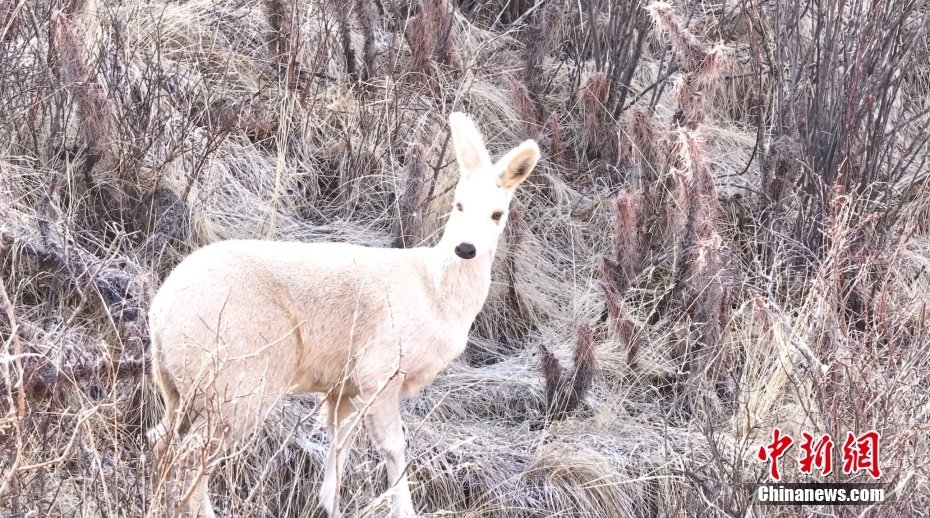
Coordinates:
(465, 250)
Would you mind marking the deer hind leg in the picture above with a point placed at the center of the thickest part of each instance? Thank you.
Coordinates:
(384, 427)
(163, 480)
(163, 435)
(198, 503)
(202, 446)
(182, 470)
(342, 420)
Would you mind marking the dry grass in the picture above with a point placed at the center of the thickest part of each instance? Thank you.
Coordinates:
(693, 263)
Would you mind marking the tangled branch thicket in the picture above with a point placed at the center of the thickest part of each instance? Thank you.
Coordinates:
(728, 233)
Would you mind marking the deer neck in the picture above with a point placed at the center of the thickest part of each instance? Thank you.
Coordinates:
(462, 284)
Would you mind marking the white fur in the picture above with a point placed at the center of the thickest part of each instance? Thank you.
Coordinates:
(239, 323)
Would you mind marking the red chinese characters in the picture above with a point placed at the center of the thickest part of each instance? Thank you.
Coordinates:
(818, 455)
(861, 453)
(779, 445)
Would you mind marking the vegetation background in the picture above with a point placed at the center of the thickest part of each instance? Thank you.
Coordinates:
(728, 233)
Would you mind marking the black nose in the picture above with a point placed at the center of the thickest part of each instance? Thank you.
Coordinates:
(465, 250)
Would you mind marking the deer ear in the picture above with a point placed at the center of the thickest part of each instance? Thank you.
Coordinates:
(516, 165)
(469, 147)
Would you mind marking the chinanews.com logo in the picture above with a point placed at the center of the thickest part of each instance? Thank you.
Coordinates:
(859, 454)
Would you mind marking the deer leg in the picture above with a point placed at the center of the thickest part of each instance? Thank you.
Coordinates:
(342, 421)
(385, 429)
(201, 447)
(199, 503)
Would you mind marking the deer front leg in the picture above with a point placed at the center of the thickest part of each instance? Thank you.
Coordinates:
(385, 429)
(342, 420)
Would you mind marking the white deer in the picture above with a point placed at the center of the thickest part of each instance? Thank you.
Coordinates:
(240, 323)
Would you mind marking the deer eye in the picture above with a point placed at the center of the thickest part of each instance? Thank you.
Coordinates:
(497, 215)
(458, 206)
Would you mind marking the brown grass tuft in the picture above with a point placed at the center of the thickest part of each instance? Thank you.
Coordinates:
(413, 203)
(689, 49)
(595, 94)
(644, 135)
(627, 209)
(96, 112)
(609, 285)
(421, 44)
(585, 361)
(367, 17)
(428, 36)
(282, 40)
(565, 392)
(523, 103)
(553, 374)
(705, 284)
(278, 40)
(556, 146)
(554, 21)
(692, 110)
(343, 15)
(438, 16)
(600, 137)
(674, 207)
(711, 66)
(618, 274)
(699, 199)
(691, 156)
